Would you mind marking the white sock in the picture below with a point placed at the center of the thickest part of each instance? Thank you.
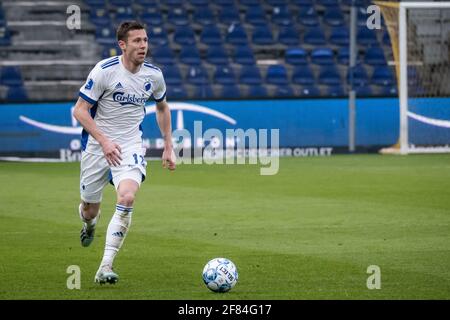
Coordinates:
(116, 233)
(90, 222)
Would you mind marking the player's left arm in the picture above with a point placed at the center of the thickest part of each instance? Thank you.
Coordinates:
(164, 120)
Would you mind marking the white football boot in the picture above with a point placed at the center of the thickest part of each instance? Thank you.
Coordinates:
(105, 274)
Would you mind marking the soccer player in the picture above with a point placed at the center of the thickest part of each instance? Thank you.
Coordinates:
(111, 107)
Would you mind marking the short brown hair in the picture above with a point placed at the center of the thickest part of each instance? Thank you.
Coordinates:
(122, 30)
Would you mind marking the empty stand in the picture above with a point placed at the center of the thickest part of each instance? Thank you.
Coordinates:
(207, 49)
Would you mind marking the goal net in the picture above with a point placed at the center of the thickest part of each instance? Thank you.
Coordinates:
(420, 35)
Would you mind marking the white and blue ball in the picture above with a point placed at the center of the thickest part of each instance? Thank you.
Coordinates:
(220, 275)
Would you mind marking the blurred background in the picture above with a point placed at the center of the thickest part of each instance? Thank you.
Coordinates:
(324, 72)
(222, 49)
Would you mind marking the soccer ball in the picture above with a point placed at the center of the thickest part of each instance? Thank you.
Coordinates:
(220, 275)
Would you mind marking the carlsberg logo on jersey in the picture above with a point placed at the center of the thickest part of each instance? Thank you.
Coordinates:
(123, 99)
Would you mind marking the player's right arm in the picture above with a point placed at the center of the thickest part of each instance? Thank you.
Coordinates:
(111, 150)
(90, 93)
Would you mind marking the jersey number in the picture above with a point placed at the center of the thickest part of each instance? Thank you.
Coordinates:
(136, 161)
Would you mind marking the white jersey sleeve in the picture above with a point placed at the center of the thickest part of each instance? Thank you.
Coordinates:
(94, 87)
(159, 91)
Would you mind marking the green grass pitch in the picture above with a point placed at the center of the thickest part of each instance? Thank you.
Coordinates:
(309, 232)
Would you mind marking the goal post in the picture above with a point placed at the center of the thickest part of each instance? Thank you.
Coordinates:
(420, 36)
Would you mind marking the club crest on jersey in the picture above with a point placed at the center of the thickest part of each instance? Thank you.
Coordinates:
(89, 84)
(147, 85)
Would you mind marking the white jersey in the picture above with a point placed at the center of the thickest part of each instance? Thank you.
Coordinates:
(118, 98)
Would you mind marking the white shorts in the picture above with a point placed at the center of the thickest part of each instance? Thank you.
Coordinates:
(96, 173)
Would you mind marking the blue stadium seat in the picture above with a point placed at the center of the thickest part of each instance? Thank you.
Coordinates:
(111, 51)
(224, 75)
(322, 56)
(329, 75)
(178, 16)
(229, 14)
(275, 3)
(5, 37)
(262, 35)
(366, 36)
(343, 55)
(283, 91)
(281, 16)
(361, 16)
(100, 17)
(236, 34)
(203, 91)
(105, 36)
(10, 76)
(176, 92)
(211, 36)
(387, 91)
(147, 3)
(303, 3)
(119, 2)
(257, 91)
(230, 92)
(184, 35)
(375, 56)
(197, 75)
(157, 35)
(303, 75)
(16, 93)
(296, 56)
(314, 36)
(277, 74)
(95, 3)
(243, 55)
(334, 91)
(152, 17)
(190, 55)
(340, 36)
(204, 16)
(217, 55)
(358, 3)
(250, 75)
(360, 77)
(250, 2)
(224, 2)
(328, 3)
(172, 75)
(104, 21)
(288, 36)
(199, 3)
(173, 3)
(308, 17)
(383, 75)
(309, 91)
(333, 17)
(124, 14)
(364, 91)
(255, 15)
(2, 17)
(163, 55)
